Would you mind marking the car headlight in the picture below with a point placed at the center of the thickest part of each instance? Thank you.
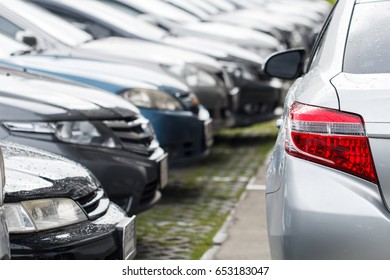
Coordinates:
(192, 75)
(239, 70)
(152, 99)
(42, 214)
(75, 132)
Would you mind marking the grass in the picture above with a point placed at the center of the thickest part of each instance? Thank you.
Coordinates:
(198, 199)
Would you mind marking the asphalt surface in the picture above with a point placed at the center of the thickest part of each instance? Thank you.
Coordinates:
(244, 234)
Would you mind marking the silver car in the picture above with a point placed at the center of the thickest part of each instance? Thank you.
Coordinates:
(4, 239)
(328, 182)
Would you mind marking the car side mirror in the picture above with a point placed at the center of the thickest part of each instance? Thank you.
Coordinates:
(27, 38)
(286, 65)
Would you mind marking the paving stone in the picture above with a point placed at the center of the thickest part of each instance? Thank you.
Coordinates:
(199, 198)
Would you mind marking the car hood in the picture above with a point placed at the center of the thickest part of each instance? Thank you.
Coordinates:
(31, 98)
(119, 49)
(215, 49)
(232, 34)
(35, 174)
(112, 77)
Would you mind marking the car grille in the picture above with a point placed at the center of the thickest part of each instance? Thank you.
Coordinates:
(135, 135)
(94, 204)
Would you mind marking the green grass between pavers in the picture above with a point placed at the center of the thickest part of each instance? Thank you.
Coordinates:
(198, 199)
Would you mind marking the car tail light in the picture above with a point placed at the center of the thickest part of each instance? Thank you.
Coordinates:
(332, 138)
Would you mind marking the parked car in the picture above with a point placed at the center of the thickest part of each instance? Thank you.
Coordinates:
(103, 132)
(28, 23)
(56, 209)
(254, 41)
(4, 237)
(328, 180)
(183, 126)
(258, 96)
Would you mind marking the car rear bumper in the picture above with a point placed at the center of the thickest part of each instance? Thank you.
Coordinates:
(315, 212)
(97, 239)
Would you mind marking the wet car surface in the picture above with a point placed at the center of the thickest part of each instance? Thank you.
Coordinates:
(37, 178)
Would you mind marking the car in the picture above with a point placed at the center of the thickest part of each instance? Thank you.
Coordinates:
(25, 21)
(56, 209)
(182, 125)
(105, 133)
(258, 96)
(4, 237)
(327, 186)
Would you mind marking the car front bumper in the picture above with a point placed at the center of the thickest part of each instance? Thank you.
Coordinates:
(315, 212)
(130, 180)
(99, 239)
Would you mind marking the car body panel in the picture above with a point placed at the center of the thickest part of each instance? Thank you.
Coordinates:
(329, 215)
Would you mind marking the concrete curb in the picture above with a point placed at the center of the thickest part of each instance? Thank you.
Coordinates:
(221, 236)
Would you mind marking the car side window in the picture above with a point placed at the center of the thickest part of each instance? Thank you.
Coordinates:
(319, 43)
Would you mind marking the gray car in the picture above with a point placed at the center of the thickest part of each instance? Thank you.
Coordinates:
(328, 182)
(4, 239)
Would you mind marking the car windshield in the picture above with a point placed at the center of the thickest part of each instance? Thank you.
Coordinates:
(161, 9)
(11, 47)
(367, 49)
(50, 24)
(117, 17)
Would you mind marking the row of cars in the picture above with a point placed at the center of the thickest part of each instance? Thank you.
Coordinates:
(127, 89)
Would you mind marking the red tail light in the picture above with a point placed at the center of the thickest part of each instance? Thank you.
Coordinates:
(332, 138)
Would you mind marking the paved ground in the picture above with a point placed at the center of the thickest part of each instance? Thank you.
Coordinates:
(199, 198)
(246, 230)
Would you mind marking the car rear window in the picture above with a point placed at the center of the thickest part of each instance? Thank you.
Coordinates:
(368, 43)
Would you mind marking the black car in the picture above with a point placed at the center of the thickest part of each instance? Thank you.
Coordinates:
(56, 209)
(4, 238)
(103, 132)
